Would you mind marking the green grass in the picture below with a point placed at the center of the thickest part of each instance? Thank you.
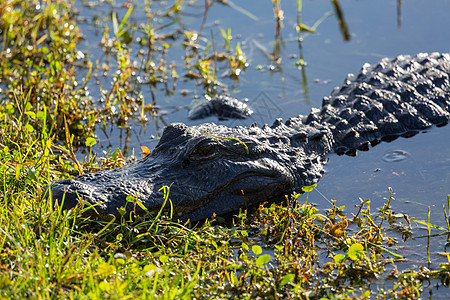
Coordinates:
(288, 250)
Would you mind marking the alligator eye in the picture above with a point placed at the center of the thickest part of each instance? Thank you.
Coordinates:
(204, 152)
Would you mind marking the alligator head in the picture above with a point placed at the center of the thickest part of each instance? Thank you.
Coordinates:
(211, 169)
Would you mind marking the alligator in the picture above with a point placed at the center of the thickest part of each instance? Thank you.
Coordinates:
(221, 106)
(215, 169)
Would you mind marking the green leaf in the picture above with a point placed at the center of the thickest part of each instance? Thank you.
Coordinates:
(356, 251)
(124, 20)
(163, 258)
(55, 66)
(295, 196)
(116, 154)
(119, 237)
(256, 249)
(105, 286)
(9, 109)
(338, 258)
(431, 225)
(139, 203)
(286, 279)
(263, 259)
(126, 38)
(122, 211)
(31, 114)
(307, 28)
(213, 242)
(32, 175)
(308, 188)
(131, 199)
(120, 259)
(245, 247)
(40, 115)
(90, 142)
(150, 267)
(29, 128)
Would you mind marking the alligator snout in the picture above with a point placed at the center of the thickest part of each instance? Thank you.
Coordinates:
(69, 192)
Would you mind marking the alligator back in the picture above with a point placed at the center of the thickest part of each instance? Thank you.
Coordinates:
(396, 97)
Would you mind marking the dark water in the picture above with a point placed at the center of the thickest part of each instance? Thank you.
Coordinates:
(417, 168)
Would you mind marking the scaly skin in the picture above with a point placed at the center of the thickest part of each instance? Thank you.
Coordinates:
(223, 107)
(217, 169)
